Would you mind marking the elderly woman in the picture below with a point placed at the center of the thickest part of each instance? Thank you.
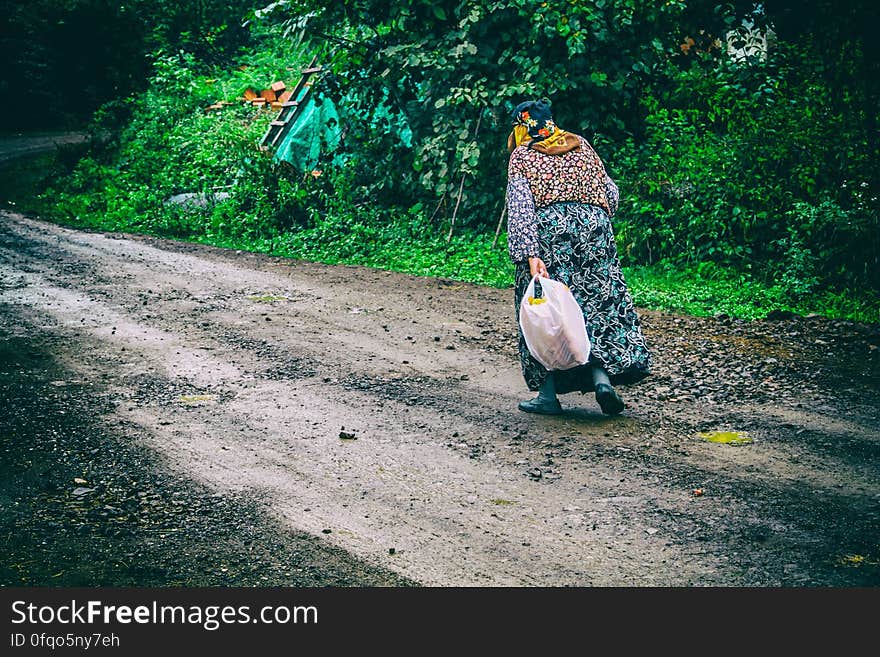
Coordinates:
(560, 202)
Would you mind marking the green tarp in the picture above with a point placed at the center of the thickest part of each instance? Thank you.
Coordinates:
(317, 126)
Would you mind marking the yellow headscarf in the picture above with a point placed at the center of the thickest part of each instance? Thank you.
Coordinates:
(556, 144)
(520, 134)
(534, 127)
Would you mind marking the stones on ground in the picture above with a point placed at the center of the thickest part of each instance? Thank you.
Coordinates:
(779, 315)
(347, 435)
(195, 200)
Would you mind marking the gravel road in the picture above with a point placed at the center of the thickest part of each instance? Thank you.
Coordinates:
(231, 418)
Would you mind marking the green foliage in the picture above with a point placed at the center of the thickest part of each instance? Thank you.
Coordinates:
(706, 290)
(171, 146)
(718, 160)
(757, 175)
(753, 166)
(455, 70)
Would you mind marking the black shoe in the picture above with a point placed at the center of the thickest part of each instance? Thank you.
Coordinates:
(608, 399)
(542, 406)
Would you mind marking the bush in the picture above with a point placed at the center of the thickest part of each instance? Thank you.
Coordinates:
(753, 167)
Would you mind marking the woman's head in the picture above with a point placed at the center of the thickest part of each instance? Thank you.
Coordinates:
(534, 127)
(533, 117)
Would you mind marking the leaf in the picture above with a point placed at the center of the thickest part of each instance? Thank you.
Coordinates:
(726, 437)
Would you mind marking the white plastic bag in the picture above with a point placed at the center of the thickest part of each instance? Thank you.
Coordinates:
(553, 326)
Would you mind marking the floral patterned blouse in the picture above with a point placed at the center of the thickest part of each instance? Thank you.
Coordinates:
(536, 180)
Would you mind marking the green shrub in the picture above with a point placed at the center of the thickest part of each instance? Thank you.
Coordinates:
(734, 174)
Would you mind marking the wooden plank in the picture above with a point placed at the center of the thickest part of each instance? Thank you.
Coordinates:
(289, 118)
(278, 86)
(304, 79)
(274, 133)
(269, 95)
(250, 94)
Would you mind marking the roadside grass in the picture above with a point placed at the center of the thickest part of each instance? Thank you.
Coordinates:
(471, 258)
(408, 246)
(740, 295)
(21, 181)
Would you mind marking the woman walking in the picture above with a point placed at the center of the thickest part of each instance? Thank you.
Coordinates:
(560, 202)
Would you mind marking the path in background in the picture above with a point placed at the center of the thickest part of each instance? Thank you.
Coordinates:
(25, 144)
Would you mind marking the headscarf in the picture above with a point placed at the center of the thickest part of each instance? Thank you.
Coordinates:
(533, 125)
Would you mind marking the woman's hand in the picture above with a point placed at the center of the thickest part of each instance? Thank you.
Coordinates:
(538, 268)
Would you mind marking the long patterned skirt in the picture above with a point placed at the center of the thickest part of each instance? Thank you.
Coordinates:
(577, 245)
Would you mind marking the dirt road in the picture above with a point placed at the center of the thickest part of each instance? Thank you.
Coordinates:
(372, 417)
(13, 147)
